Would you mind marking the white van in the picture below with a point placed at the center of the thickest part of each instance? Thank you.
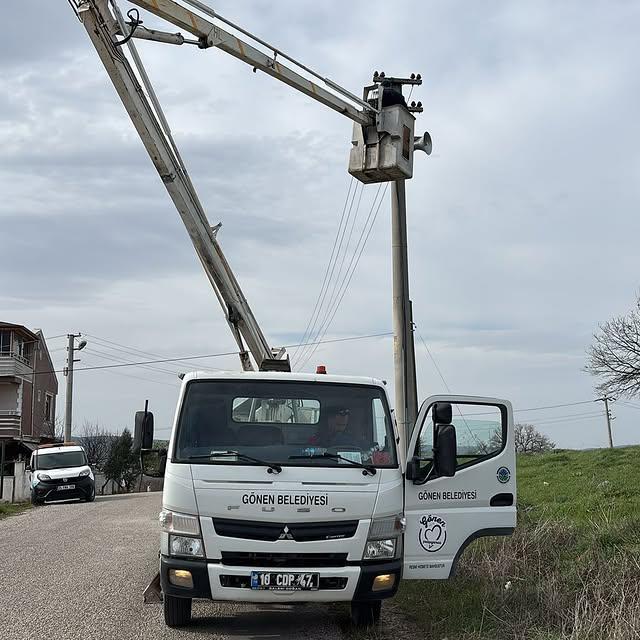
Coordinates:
(61, 472)
(289, 487)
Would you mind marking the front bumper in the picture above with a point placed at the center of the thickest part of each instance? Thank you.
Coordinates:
(83, 488)
(217, 581)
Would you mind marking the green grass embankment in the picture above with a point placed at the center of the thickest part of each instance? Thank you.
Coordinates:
(8, 509)
(571, 570)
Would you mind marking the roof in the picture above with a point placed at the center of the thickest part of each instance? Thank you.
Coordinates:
(18, 327)
(281, 376)
(59, 448)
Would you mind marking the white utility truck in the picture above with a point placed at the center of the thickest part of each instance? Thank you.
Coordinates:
(289, 487)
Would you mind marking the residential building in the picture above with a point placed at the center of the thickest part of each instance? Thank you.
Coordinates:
(28, 390)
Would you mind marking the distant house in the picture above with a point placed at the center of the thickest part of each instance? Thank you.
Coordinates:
(28, 390)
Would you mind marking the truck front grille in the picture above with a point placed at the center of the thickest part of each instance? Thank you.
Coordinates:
(289, 560)
(271, 531)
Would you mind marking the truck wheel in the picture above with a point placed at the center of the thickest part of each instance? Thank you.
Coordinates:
(177, 611)
(365, 614)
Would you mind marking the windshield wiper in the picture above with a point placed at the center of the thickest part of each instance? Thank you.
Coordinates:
(335, 456)
(273, 467)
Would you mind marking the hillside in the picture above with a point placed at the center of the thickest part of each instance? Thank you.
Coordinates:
(571, 570)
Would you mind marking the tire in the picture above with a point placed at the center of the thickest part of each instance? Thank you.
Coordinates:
(92, 496)
(35, 501)
(365, 614)
(177, 611)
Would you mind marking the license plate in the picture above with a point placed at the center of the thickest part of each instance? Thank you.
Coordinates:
(284, 581)
(64, 487)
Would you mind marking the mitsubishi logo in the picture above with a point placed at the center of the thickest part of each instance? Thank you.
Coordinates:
(286, 534)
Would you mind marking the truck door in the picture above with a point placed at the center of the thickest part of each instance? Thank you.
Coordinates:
(451, 501)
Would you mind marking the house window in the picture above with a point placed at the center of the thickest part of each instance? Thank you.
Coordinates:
(25, 349)
(48, 406)
(5, 341)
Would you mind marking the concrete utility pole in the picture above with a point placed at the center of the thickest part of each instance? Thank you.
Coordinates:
(606, 399)
(68, 371)
(403, 347)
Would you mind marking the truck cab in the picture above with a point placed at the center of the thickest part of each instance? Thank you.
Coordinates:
(61, 472)
(287, 487)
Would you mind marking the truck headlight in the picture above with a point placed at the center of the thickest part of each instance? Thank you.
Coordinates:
(44, 477)
(172, 522)
(185, 546)
(380, 549)
(384, 534)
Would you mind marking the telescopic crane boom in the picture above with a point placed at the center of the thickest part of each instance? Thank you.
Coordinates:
(382, 144)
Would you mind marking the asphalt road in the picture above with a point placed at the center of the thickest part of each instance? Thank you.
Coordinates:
(78, 571)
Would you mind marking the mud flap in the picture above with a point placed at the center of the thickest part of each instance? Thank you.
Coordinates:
(153, 593)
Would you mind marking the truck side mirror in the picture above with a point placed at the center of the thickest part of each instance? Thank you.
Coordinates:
(442, 413)
(445, 450)
(143, 432)
(153, 462)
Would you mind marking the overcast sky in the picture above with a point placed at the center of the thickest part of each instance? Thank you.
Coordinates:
(523, 223)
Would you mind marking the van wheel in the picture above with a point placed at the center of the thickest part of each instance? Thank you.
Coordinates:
(177, 611)
(35, 501)
(92, 496)
(366, 614)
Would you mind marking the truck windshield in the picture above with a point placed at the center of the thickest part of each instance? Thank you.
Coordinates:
(60, 460)
(287, 423)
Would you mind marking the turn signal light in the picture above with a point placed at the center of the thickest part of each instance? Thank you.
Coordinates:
(321, 369)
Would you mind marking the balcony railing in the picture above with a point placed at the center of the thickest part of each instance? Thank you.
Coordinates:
(12, 364)
(9, 423)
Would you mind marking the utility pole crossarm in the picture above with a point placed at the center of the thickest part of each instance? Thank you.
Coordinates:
(211, 35)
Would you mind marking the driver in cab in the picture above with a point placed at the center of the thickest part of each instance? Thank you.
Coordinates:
(334, 431)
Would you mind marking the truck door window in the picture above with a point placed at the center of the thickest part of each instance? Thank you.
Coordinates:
(480, 434)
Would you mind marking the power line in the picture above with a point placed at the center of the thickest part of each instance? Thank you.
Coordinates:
(114, 358)
(208, 355)
(351, 269)
(320, 313)
(129, 375)
(344, 285)
(435, 364)
(123, 348)
(322, 292)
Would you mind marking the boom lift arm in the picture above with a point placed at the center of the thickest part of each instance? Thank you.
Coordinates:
(383, 141)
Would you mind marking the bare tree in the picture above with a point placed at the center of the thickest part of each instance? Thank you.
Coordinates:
(58, 429)
(97, 443)
(614, 356)
(529, 440)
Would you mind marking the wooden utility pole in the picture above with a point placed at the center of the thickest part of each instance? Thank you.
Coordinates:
(606, 399)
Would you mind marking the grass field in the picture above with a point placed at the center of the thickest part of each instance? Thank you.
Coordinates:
(8, 509)
(571, 570)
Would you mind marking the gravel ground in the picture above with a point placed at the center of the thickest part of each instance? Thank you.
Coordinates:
(78, 571)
